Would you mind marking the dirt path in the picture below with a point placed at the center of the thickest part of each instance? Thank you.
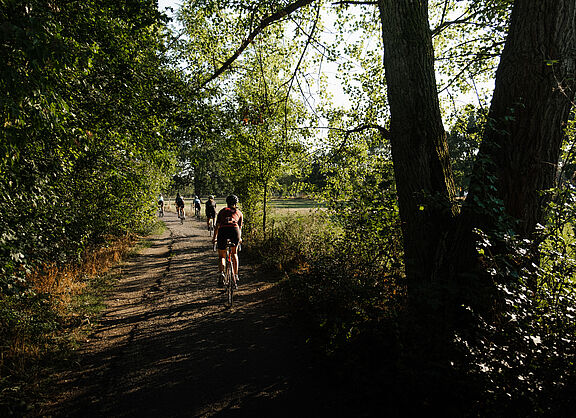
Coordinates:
(167, 345)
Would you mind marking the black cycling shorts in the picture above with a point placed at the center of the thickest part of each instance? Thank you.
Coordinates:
(211, 214)
(227, 233)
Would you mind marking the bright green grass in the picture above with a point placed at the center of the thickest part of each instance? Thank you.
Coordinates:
(294, 205)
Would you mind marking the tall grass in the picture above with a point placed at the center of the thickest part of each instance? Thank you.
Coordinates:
(292, 241)
(339, 284)
(44, 324)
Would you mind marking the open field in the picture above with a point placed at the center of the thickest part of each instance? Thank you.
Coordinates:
(294, 205)
(277, 205)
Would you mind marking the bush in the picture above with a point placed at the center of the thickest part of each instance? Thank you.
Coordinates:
(292, 241)
(523, 358)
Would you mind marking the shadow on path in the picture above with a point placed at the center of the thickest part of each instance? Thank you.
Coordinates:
(167, 346)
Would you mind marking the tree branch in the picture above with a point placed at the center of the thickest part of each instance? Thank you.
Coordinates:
(354, 2)
(294, 74)
(462, 19)
(385, 133)
(267, 21)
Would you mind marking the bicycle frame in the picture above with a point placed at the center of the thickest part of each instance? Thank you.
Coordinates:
(229, 282)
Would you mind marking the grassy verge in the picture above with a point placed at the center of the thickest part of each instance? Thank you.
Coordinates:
(291, 240)
(41, 328)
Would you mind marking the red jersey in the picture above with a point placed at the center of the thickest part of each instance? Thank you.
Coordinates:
(229, 218)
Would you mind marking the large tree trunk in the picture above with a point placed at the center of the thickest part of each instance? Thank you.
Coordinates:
(532, 99)
(264, 212)
(419, 149)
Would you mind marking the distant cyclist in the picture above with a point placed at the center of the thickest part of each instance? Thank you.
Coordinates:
(179, 205)
(228, 227)
(161, 205)
(210, 210)
(197, 205)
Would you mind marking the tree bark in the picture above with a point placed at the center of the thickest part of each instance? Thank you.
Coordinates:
(533, 95)
(422, 168)
(264, 201)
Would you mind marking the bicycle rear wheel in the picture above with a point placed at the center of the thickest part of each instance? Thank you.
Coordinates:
(230, 284)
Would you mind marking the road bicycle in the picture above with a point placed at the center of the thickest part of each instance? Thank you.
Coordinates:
(197, 211)
(160, 211)
(230, 284)
(211, 226)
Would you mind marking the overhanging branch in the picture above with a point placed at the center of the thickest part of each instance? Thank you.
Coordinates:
(267, 21)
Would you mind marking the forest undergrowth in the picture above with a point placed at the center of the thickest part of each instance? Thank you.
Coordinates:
(45, 323)
(347, 289)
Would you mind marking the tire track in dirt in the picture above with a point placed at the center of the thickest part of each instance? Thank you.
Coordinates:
(168, 346)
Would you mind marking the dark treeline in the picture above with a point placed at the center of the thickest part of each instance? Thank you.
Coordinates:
(86, 102)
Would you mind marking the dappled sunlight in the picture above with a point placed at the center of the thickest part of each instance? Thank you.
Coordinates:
(168, 344)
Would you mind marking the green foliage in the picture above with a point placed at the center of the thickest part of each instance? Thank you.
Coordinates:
(345, 291)
(361, 72)
(356, 279)
(251, 136)
(522, 357)
(468, 39)
(293, 241)
(524, 360)
(463, 142)
(87, 107)
(82, 144)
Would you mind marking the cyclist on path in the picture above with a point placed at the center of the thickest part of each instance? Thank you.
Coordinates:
(228, 226)
(161, 205)
(210, 210)
(197, 205)
(179, 205)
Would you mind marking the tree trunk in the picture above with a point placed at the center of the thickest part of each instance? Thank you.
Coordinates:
(419, 148)
(533, 95)
(264, 209)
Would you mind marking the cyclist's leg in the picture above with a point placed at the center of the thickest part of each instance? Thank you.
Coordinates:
(221, 260)
(221, 266)
(234, 261)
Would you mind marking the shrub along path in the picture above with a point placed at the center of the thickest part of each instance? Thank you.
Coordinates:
(168, 346)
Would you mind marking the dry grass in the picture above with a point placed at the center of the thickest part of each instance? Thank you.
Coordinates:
(62, 284)
(48, 321)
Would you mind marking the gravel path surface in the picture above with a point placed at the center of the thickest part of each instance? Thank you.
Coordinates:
(167, 346)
